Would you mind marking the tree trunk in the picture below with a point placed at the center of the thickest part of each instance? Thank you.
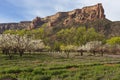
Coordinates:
(94, 52)
(7, 52)
(10, 56)
(29, 52)
(3, 51)
(15, 51)
(81, 53)
(102, 52)
(21, 53)
(68, 54)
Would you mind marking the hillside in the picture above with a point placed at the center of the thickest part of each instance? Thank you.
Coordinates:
(90, 16)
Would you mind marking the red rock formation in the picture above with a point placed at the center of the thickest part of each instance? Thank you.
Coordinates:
(36, 22)
(52, 20)
(89, 13)
(85, 14)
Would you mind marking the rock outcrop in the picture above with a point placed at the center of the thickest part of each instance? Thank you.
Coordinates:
(83, 15)
(36, 22)
(90, 16)
(11, 26)
(54, 19)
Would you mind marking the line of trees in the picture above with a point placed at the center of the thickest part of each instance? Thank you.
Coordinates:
(77, 39)
(10, 43)
(93, 47)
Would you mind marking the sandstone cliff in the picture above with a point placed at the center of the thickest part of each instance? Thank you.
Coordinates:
(9, 26)
(90, 16)
(89, 13)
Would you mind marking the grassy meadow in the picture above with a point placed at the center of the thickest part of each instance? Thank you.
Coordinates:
(55, 66)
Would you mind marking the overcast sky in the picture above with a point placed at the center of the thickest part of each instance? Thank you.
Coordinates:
(20, 10)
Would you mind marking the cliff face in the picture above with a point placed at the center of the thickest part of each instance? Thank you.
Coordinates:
(83, 15)
(11, 26)
(90, 16)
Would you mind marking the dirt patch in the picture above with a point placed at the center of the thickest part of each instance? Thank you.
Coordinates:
(36, 62)
(72, 69)
(109, 64)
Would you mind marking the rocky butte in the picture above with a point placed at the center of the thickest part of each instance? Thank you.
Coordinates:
(83, 15)
(89, 16)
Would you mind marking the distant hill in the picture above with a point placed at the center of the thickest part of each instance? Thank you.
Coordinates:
(90, 16)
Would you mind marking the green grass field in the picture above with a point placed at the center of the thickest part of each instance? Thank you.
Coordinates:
(44, 66)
